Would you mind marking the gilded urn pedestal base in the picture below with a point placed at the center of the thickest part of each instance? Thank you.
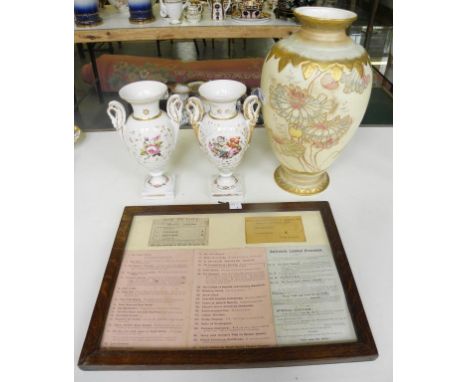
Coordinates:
(301, 183)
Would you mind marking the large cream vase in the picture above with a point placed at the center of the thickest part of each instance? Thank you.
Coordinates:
(316, 86)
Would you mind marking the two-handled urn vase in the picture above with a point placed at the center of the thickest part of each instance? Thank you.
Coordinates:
(149, 133)
(223, 131)
(316, 86)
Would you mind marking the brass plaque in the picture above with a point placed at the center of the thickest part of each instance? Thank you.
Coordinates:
(274, 229)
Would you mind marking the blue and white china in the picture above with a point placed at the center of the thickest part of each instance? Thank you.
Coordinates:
(141, 11)
(87, 13)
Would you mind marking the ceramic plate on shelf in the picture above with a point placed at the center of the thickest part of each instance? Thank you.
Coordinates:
(264, 18)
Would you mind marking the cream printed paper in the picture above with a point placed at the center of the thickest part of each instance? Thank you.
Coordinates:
(309, 305)
(179, 231)
(274, 229)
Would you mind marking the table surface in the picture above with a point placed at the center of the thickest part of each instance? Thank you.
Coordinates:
(116, 27)
(107, 178)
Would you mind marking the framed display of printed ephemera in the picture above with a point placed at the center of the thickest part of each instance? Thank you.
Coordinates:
(206, 286)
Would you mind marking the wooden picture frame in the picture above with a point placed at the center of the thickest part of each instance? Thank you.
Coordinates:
(93, 357)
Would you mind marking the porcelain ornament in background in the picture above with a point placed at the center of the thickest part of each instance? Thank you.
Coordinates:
(194, 12)
(87, 12)
(172, 9)
(218, 9)
(224, 133)
(120, 5)
(250, 9)
(316, 86)
(149, 133)
(141, 11)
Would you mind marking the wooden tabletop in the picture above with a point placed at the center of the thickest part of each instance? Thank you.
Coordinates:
(116, 27)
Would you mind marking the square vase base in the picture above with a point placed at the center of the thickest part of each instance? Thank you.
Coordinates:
(235, 193)
(164, 192)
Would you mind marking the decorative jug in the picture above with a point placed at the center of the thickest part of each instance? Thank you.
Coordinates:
(149, 133)
(316, 86)
(194, 12)
(219, 9)
(223, 132)
(172, 9)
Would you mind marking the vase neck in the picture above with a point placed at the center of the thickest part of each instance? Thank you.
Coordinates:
(146, 110)
(223, 110)
(324, 25)
(324, 35)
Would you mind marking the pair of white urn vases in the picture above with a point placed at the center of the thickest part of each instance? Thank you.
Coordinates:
(223, 131)
(315, 86)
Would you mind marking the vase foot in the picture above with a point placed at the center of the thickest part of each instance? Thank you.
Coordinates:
(231, 192)
(161, 187)
(301, 183)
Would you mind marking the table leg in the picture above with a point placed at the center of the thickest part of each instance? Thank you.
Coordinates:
(97, 80)
(196, 48)
(80, 49)
(158, 46)
(370, 25)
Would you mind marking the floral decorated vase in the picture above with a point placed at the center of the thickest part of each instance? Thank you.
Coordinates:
(316, 86)
(149, 133)
(224, 133)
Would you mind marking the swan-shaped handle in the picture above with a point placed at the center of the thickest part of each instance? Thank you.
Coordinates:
(175, 108)
(117, 114)
(227, 6)
(195, 110)
(251, 112)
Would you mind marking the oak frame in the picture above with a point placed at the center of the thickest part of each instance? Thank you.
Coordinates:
(94, 358)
